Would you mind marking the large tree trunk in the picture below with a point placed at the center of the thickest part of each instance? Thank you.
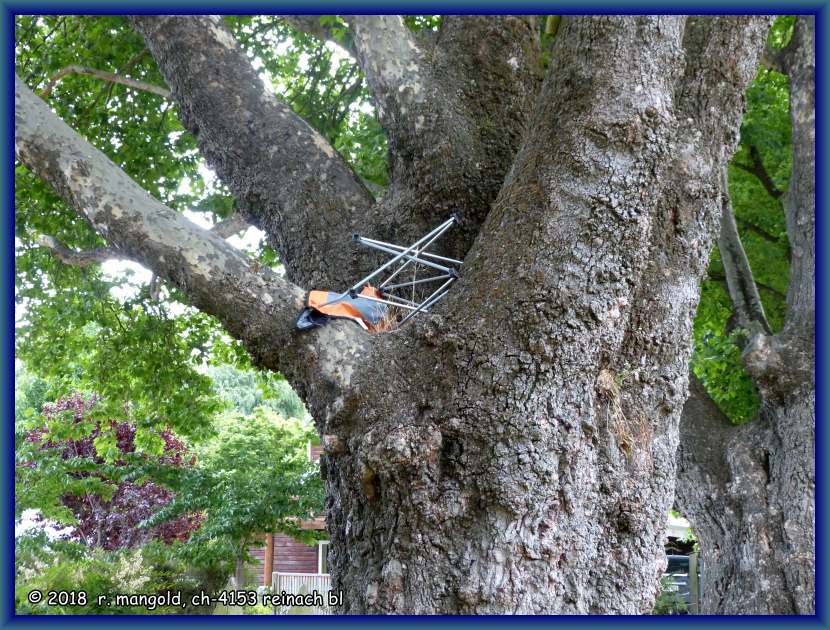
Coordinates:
(749, 491)
(517, 455)
(514, 451)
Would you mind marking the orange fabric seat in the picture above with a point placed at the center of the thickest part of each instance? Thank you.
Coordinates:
(367, 313)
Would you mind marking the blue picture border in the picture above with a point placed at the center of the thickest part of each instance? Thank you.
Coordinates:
(10, 9)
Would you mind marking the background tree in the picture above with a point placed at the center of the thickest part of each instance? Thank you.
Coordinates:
(749, 491)
(245, 390)
(60, 473)
(203, 509)
(62, 479)
(253, 477)
(532, 472)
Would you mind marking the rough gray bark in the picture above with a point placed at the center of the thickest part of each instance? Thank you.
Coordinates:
(514, 451)
(533, 475)
(286, 177)
(453, 138)
(749, 491)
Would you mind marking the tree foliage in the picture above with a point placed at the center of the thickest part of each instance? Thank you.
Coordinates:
(194, 513)
(253, 477)
(62, 475)
(89, 330)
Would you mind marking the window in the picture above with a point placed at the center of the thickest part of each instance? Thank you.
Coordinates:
(323, 557)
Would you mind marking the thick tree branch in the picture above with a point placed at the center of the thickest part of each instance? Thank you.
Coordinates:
(712, 64)
(758, 169)
(391, 60)
(256, 306)
(75, 258)
(720, 59)
(704, 430)
(452, 143)
(800, 199)
(132, 220)
(740, 282)
(720, 62)
(104, 76)
(757, 524)
(784, 365)
(234, 224)
(546, 210)
(494, 62)
(285, 176)
(742, 487)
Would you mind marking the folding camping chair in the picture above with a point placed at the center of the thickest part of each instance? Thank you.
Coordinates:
(368, 305)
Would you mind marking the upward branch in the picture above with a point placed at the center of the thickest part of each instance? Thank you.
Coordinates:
(104, 76)
(704, 430)
(800, 200)
(257, 307)
(785, 363)
(391, 61)
(286, 177)
(454, 108)
(740, 282)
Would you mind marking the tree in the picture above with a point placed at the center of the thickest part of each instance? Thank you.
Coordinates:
(749, 490)
(60, 473)
(253, 477)
(204, 507)
(532, 471)
(244, 391)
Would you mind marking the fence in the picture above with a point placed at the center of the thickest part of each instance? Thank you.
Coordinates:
(302, 584)
(685, 573)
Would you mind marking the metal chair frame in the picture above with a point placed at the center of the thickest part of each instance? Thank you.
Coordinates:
(402, 257)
